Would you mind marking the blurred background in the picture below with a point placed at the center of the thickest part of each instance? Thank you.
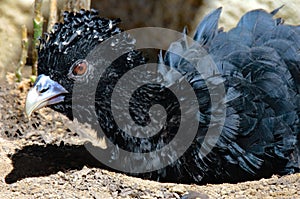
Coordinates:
(173, 14)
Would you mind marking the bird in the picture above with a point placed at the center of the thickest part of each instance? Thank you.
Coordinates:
(257, 62)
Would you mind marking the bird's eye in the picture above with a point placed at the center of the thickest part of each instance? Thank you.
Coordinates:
(80, 68)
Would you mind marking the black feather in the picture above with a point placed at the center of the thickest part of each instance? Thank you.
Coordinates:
(259, 65)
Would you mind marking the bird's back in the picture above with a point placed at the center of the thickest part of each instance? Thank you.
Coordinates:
(259, 63)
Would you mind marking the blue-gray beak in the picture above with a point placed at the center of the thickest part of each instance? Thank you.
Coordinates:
(44, 92)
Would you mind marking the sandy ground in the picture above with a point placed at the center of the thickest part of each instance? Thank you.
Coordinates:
(42, 158)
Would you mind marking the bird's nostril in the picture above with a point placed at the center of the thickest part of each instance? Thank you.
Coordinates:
(42, 89)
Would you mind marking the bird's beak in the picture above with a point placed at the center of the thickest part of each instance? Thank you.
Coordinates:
(44, 92)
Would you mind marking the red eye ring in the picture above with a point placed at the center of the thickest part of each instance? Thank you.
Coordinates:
(80, 68)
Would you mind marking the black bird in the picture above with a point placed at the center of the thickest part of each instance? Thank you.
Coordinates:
(258, 63)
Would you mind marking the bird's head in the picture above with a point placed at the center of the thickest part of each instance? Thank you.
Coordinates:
(62, 59)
